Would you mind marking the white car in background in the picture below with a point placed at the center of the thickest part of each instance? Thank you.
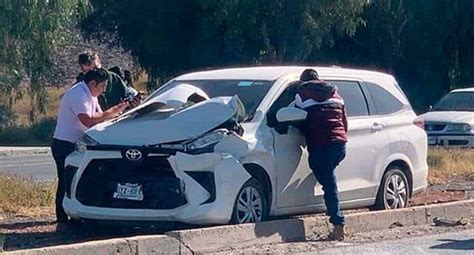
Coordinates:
(450, 123)
(233, 155)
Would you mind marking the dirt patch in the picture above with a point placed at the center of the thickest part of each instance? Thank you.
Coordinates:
(437, 196)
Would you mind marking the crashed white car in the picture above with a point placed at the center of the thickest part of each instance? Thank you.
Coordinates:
(234, 155)
(450, 123)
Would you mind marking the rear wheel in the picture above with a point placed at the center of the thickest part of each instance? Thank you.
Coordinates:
(251, 205)
(394, 190)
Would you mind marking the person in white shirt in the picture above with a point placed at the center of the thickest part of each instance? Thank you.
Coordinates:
(78, 111)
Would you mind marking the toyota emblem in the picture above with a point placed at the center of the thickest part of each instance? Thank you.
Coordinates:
(133, 155)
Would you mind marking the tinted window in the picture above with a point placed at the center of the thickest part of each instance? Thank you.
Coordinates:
(284, 100)
(456, 101)
(354, 99)
(384, 102)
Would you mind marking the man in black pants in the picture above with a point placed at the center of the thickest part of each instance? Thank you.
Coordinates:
(79, 110)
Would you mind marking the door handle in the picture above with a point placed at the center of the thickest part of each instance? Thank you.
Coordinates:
(377, 127)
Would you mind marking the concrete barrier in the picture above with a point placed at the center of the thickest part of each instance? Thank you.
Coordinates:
(238, 236)
(160, 244)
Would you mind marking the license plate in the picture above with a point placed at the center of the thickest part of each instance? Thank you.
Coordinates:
(432, 140)
(129, 191)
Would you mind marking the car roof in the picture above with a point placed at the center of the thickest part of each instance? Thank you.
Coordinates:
(463, 90)
(274, 72)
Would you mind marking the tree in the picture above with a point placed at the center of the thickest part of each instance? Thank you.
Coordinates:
(169, 37)
(29, 31)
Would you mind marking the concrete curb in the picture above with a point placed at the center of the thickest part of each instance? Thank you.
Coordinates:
(158, 244)
(237, 236)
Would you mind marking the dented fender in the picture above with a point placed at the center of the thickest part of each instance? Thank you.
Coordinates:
(227, 170)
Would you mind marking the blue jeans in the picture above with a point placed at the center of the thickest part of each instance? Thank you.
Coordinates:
(323, 161)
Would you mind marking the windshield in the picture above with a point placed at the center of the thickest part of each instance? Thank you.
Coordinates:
(456, 101)
(251, 93)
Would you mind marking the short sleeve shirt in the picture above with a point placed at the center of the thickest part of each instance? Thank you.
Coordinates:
(77, 100)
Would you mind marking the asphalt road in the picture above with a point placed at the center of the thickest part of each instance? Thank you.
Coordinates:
(448, 243)
(40, 167)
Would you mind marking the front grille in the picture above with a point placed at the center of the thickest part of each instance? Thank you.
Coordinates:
(160, 186)
(458, 142)
(435, 126)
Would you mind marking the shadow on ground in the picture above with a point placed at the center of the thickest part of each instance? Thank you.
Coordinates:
(452, 244)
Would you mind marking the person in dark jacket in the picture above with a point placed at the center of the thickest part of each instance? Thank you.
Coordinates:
(117, 91)
(325, 130)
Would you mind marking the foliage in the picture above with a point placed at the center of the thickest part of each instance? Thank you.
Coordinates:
(426, 44)
(29, 31)
(169, 37)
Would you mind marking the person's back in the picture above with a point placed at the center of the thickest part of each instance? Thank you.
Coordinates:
(326, 120)
(68, 127)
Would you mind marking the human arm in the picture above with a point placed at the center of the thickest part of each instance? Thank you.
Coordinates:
(112, 112)
(344, 119)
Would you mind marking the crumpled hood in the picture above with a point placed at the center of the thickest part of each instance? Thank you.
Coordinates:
(165, 127)
(449, 116)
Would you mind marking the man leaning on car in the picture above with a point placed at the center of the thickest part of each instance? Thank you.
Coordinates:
(325, 130)
(79, 110)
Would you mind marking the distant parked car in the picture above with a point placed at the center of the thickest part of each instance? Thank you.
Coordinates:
(450, 123)
(231, 154)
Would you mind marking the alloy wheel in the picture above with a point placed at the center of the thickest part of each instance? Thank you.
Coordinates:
(396, 192)
(249, 206)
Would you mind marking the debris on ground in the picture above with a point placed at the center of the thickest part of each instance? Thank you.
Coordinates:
(449, 223)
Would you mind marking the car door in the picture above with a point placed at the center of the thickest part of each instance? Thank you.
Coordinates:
(368, 144)
(294, 179)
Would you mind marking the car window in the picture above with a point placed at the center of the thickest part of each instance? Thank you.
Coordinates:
(355, 102)
(384, 101)
(456, 101)
(284, 100)
(250, 92)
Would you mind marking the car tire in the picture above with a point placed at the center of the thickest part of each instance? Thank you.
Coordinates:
(251, 205)
(393, 191)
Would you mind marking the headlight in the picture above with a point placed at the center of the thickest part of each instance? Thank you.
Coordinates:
(83, 142)
(207, 140)
(459, 127)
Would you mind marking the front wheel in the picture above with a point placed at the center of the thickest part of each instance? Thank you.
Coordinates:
(251, 205)
(394, 190)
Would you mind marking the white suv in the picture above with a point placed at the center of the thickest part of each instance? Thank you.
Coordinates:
(233, 154)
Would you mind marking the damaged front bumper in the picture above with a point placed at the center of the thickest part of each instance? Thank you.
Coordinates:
(209, 185)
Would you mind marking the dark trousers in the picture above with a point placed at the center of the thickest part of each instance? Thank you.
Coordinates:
(60, 150)
(323, 161)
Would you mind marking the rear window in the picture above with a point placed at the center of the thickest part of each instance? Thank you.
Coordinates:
(354, 99)
(384, 101)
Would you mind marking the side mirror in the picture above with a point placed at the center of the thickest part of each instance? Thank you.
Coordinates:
(288, 114)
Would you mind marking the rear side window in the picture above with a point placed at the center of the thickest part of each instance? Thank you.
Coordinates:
(354, 99)
(384, 101)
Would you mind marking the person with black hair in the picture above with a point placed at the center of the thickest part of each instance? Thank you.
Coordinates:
(309, 75)
(79, 110)
(117, 90)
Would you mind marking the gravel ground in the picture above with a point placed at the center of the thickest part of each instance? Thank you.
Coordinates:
(399, 233)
